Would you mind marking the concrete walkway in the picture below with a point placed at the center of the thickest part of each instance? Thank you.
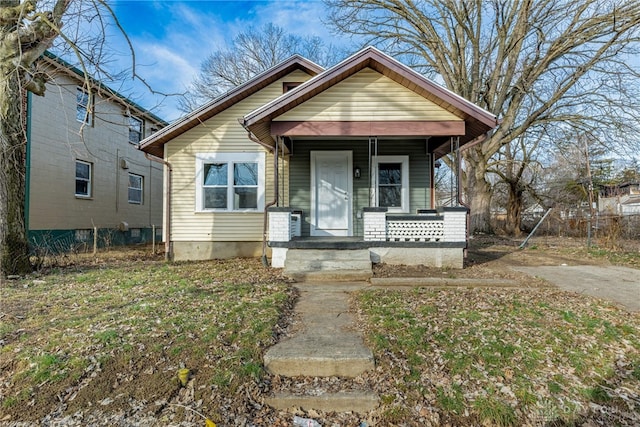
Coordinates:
(327, 345)
(618, 284)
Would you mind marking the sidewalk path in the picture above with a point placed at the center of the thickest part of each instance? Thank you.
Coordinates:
(618, 284)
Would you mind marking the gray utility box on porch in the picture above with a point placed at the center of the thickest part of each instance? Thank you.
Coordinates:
(296, 223)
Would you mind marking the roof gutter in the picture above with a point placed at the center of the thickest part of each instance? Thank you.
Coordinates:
(168, 244)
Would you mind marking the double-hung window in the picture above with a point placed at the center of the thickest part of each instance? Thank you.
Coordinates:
(230, 182)
(392, 182)
(83, 179)
(136, 189)
(84, 106)
(135, 130)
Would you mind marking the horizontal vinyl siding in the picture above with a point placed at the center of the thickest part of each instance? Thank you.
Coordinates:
(367, 95)
(300, 174)
(58, 140)
(222, 134)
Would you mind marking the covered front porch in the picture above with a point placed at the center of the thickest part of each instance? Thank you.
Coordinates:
(354, 152)
(431, 237)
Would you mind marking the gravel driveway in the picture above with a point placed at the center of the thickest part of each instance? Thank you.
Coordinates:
(618, 284)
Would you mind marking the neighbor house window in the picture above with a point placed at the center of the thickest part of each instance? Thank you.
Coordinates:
(135, 189)
(83, 235)
(392, 182)
(230, 182)
(135, 130)
(83, 106)
(83, 179)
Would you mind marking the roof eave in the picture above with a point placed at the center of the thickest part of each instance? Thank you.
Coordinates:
(224, 101)
(367, 57)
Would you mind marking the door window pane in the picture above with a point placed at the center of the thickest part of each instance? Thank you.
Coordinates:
(390, 185)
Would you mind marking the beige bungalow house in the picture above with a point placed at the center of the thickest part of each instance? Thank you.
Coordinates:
(303, 158)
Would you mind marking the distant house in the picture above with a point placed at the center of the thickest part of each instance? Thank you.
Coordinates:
(83, 166)
(302, 157)
(621, 199)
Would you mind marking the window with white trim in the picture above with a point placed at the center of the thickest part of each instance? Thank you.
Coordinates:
(83, 179)
(392, 182)
(135, 130)
(136, 189)
(230, 182)
(84, 103)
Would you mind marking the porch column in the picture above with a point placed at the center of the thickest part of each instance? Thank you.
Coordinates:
(455, 224)
(279, 231)
(279, 224)
(375, 224)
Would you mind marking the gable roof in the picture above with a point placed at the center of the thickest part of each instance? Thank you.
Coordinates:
(154, 143)
(478, 121)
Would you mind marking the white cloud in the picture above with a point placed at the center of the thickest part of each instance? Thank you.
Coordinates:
(171, 44)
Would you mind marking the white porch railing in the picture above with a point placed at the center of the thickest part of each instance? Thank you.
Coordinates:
(445, 225)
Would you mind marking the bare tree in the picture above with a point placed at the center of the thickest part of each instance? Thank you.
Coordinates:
(518, 168)
(529, 62)
(27, 29)
(252, 52)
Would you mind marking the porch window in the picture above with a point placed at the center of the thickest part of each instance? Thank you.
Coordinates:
(392, 182)
(230, 182)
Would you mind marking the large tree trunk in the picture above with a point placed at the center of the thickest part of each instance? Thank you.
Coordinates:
(14, 250)
(514, 210)
(478, 190)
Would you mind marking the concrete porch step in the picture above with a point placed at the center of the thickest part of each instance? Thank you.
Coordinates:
(360, 401)
(341, 355)
(328, 265)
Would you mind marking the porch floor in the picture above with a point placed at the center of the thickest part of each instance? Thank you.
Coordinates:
(327, 242)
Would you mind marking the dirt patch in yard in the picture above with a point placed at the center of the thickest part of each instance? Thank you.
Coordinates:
(492, 256)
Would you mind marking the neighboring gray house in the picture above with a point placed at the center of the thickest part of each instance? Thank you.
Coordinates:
(83, 166)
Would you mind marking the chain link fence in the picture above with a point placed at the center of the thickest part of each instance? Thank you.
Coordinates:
(606, 228)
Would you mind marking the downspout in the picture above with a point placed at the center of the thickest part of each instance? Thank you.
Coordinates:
(168, 244)
(265, 222)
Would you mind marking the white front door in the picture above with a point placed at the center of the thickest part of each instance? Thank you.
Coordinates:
(331, 190)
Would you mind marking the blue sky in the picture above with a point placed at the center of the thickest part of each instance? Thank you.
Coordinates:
(171, 38)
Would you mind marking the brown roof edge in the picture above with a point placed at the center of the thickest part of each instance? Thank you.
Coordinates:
(367, 57)
(154, 143)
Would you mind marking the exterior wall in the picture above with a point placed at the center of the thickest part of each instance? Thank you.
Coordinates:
(57, 140)
(187, 251)
(300, 178)
(223, 134)
(368, 95)
(432, 257)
